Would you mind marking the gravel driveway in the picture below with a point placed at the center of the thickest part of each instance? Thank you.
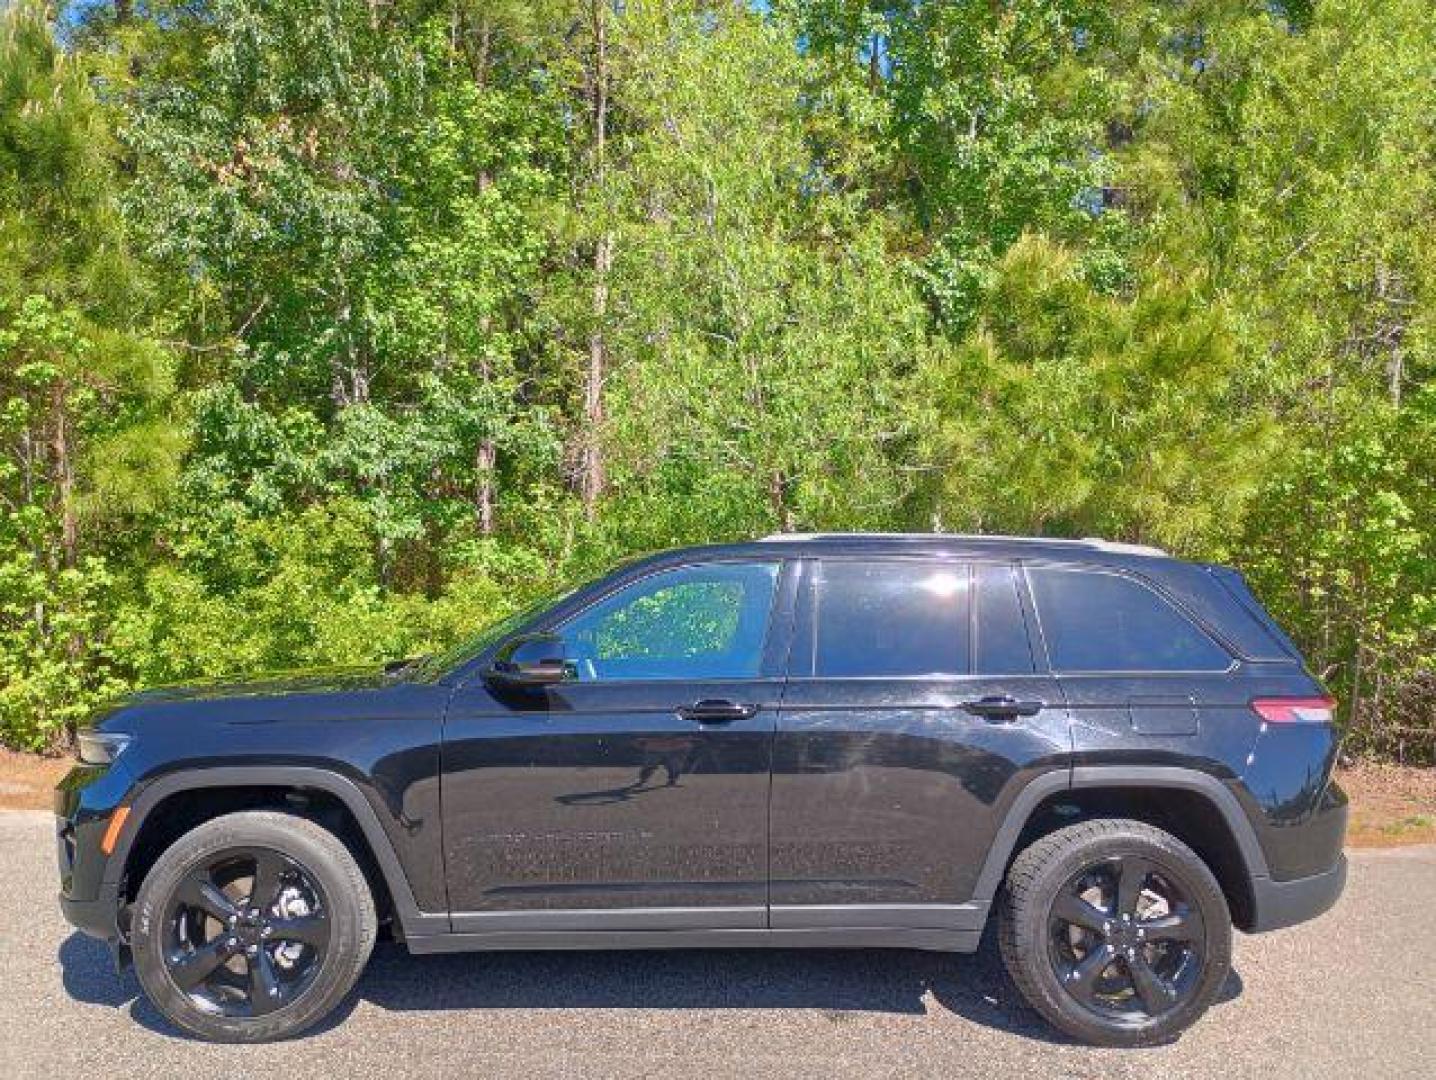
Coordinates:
(1354, 993)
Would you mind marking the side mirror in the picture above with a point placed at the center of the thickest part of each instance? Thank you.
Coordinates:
(530, 661)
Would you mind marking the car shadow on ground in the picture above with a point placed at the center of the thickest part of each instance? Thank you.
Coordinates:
(836, 982)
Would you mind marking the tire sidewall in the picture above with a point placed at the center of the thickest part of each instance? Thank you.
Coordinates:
(322, 855)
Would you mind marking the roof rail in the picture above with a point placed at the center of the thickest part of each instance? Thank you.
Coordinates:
(1094, 543)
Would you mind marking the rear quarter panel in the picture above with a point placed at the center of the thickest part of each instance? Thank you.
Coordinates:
(1280, 774)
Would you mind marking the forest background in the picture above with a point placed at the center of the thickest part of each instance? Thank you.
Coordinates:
(331, 330)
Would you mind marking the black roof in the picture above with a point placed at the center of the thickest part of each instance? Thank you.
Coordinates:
(964, 541)
(1002, 547)
(1196, 586)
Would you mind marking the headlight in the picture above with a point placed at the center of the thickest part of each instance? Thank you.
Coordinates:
(100, 747)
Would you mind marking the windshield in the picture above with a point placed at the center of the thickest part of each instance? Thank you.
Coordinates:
(494, 632)
(437, 664)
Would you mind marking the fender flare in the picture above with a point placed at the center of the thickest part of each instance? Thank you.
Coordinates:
(412, 921)
(1117, 776)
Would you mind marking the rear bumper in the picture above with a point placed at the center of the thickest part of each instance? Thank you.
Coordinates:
(1286, 903)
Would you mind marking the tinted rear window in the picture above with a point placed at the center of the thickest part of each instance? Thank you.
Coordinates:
(893, 619)
(1096, 621)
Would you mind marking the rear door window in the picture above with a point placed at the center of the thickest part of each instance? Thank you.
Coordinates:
(1098, 621)
(891, 619)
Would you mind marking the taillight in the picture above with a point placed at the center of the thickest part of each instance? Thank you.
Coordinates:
(1296, 710)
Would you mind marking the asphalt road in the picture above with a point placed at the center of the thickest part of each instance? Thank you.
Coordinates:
(1352, 994)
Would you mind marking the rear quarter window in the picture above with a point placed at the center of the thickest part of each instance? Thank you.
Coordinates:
(1094, 620)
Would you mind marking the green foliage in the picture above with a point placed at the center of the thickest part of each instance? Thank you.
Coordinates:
(1356, 581)
(300, 590)
(1096, 415)
(332, 331)
(55, 668)
(85, 438)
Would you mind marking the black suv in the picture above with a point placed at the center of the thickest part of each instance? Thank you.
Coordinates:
(824, 740)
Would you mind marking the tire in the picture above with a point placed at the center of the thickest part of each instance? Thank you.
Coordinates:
(1077, 973)
(299, 953)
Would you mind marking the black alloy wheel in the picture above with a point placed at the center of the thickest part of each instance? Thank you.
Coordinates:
(248, 930)
(1115, 931)
(1126, 940)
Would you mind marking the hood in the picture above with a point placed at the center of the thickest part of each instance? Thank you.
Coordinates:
(279, 683)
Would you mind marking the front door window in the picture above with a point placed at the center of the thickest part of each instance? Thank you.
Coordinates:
(692, 622)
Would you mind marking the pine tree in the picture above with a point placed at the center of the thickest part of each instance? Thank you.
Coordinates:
(83, 383)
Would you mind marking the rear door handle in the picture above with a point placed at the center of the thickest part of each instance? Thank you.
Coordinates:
(717, 711)
(1003, 707)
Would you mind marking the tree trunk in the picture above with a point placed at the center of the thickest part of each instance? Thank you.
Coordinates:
(1394, 365)
(350, 374)
(64, 466)
(778, 500)
(591, 464)
(591, 476)
(484, 489)
(62, 450)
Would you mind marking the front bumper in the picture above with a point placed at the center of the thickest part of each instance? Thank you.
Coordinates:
(85, 804)
(97, 918)
(105, 919)
(1286, 903)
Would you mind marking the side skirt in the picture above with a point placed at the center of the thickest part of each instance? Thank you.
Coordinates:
(831, 937)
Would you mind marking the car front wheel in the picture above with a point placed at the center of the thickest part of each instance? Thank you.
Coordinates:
(1116, 932)
(252, 927)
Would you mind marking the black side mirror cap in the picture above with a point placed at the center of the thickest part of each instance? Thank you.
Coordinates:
(530, 661)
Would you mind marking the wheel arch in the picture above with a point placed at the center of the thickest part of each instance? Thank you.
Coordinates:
(258, 786)
(1194, 806)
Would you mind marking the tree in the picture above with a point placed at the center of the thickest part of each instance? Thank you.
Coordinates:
(84, 385)
(995, 115)
(1080, 414)
(355, 224)
(756, 324)
(330, 328)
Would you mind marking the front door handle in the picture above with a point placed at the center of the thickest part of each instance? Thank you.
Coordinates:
(717, 711)
(1003, 707)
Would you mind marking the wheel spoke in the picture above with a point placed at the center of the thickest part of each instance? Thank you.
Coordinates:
(1178, 926)
(1131, 879)
(1078, 912)
(198, 891)
(309, 929)
(189, 969)
(264, 891)
(265, 994)
(1081, 982)
(1156, 995)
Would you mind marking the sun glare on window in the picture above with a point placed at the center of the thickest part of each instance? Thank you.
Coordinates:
(945, 584)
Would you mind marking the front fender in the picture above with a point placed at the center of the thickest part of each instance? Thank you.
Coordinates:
(412, 919)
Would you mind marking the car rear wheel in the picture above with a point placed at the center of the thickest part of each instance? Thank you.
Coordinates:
(252, 927)
(1116, 932)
